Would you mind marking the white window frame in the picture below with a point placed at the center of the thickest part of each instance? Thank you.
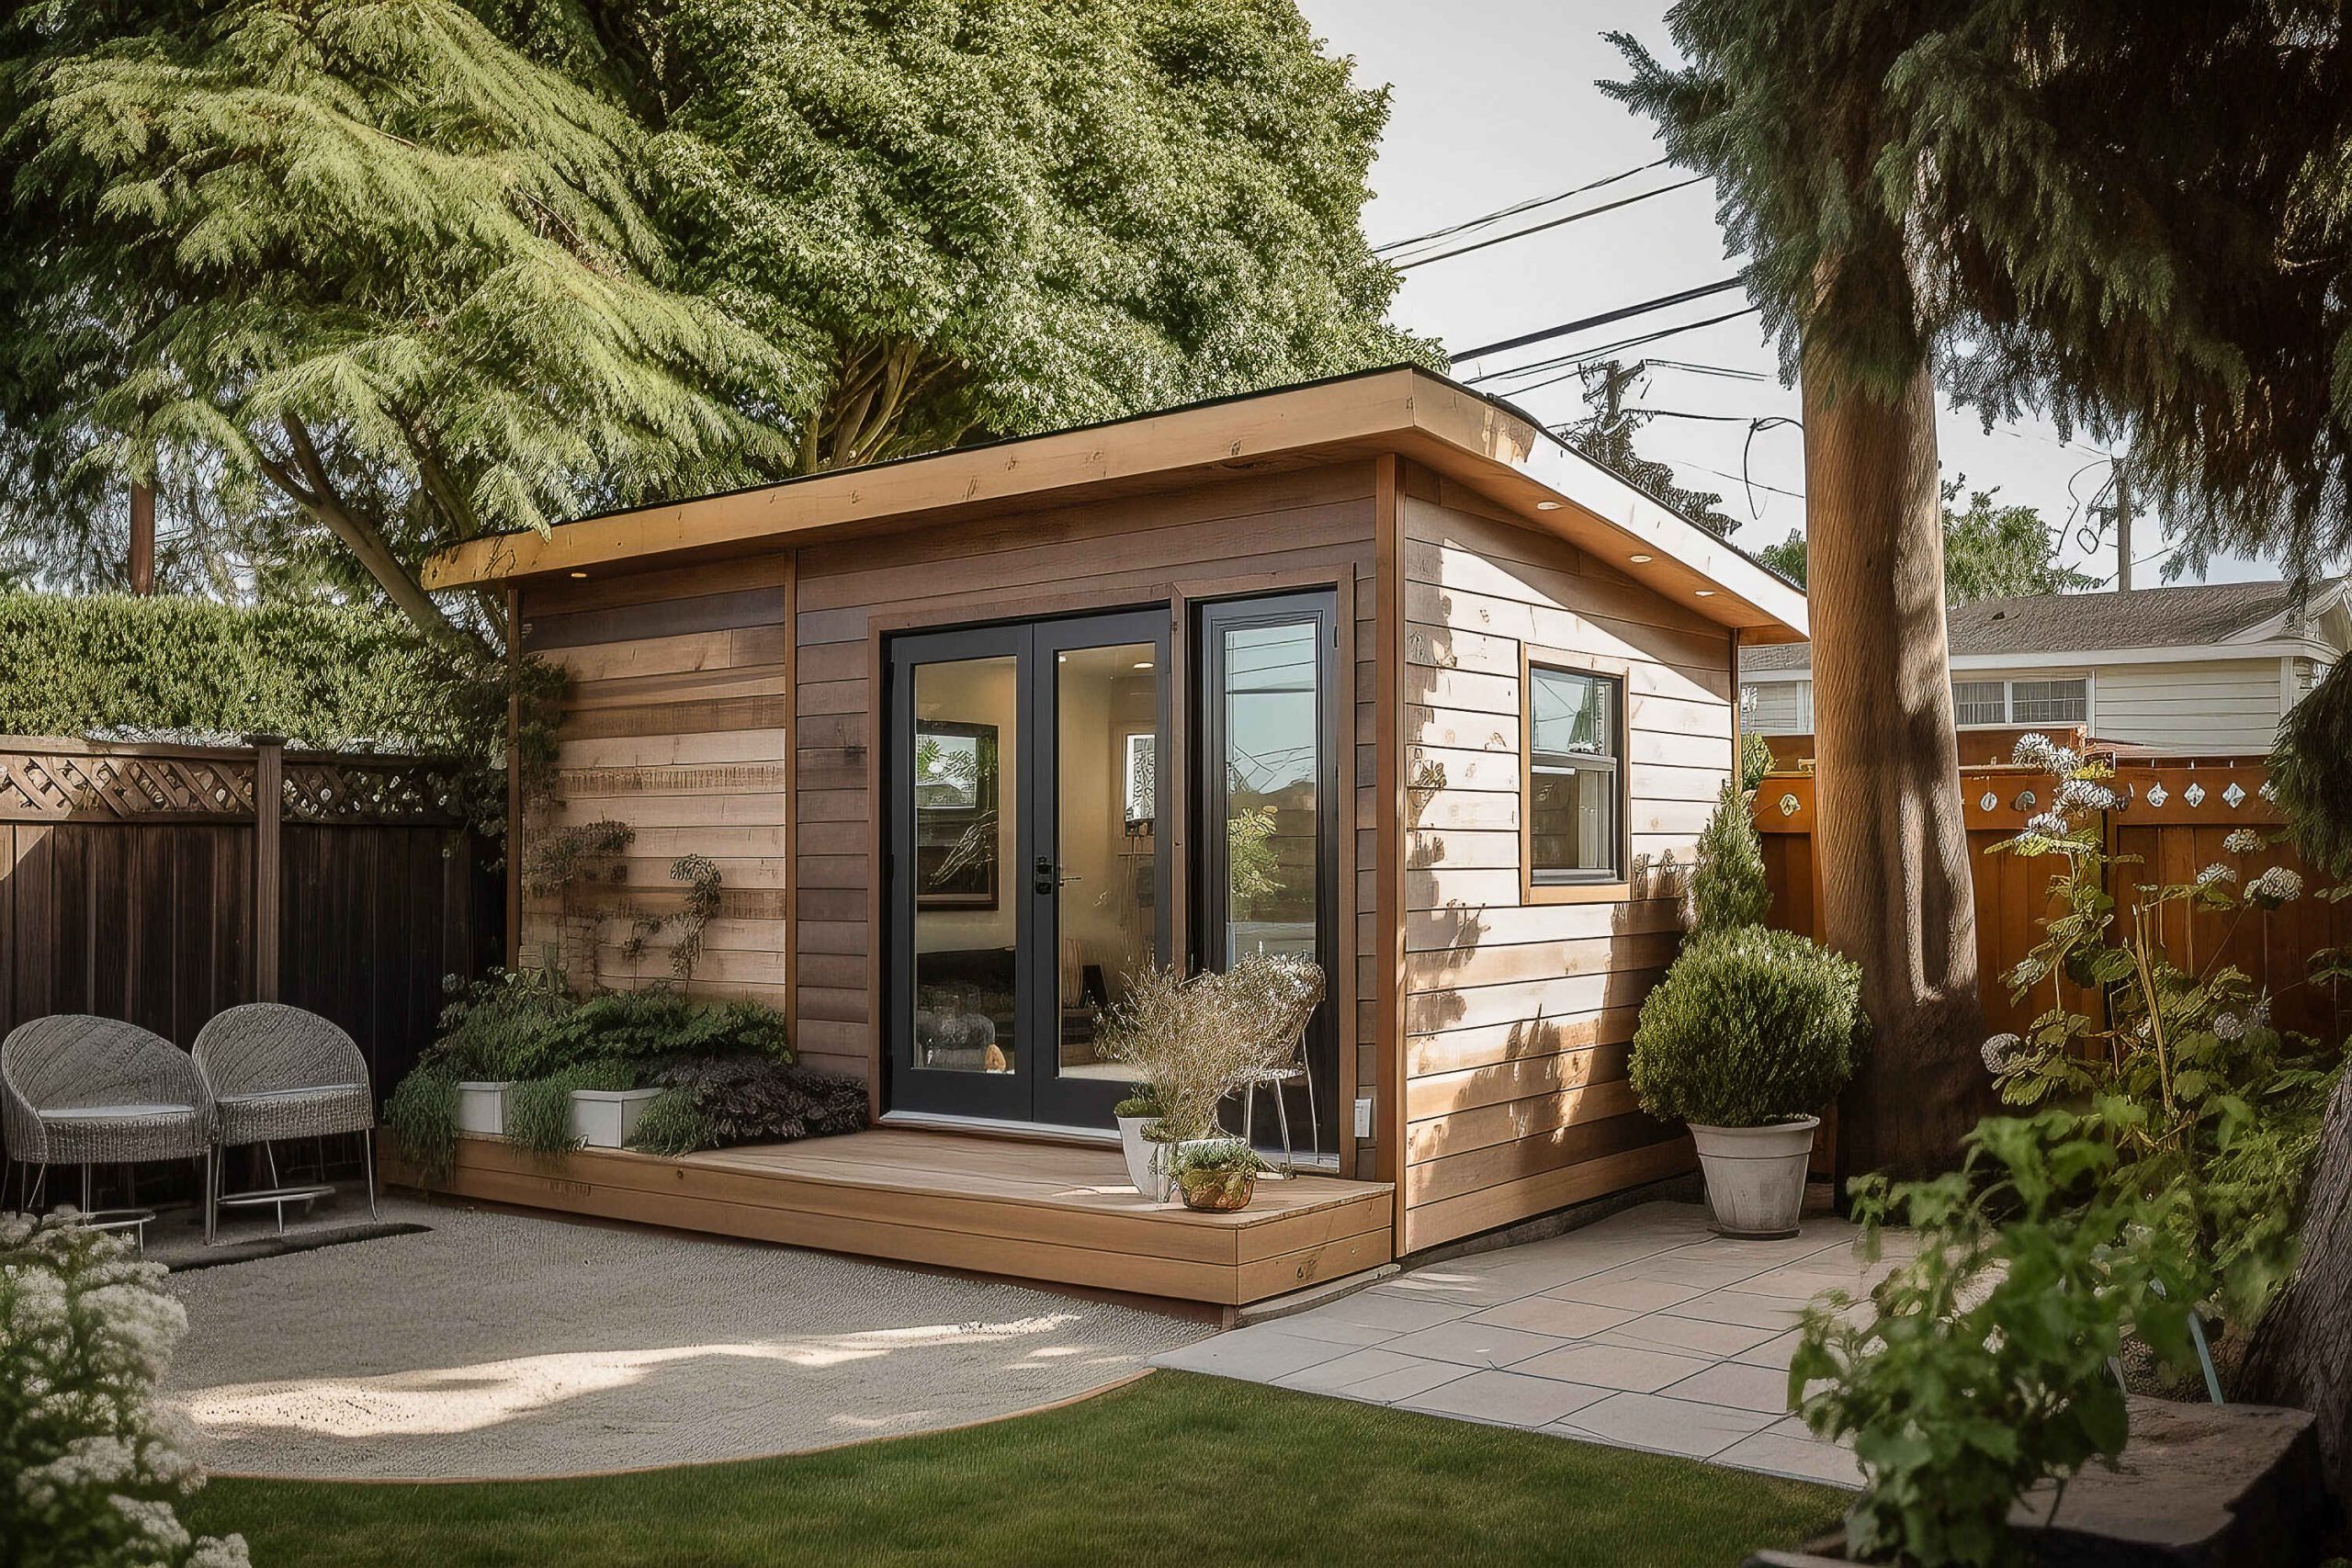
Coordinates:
(2010, 683)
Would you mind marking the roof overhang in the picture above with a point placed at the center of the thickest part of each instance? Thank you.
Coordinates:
(2037, 663)
(1486, 446)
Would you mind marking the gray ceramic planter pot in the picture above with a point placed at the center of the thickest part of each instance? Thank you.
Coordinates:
(1756, 1175)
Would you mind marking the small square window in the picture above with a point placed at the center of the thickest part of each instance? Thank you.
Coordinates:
(1576, 775)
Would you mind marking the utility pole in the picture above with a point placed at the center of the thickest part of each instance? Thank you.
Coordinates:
(2122, 527)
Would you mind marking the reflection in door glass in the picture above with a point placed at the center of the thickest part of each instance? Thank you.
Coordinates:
(965, 770)
(1106, 807)
(1271, 763)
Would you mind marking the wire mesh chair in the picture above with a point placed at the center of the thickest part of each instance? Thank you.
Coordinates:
(1295, 992)
(87, 1092)
(277, 1072)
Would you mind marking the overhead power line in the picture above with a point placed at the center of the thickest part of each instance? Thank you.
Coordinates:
(1467, 224)
(1623, 312)
(1576, 362)
(1539, 228)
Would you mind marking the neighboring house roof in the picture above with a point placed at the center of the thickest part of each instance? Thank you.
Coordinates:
(1488, 447)
(2218, 619)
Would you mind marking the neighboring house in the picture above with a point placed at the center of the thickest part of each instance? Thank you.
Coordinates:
(1374, 669)
(2205, 669)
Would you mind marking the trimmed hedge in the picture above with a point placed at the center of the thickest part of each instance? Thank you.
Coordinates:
(327, 677)
(1750, 1026)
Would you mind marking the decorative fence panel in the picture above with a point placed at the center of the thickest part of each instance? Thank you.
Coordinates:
(139, 882)
(2173, 816)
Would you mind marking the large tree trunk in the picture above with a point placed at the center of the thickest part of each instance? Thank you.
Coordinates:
(2302, 1351)
(1894, 848)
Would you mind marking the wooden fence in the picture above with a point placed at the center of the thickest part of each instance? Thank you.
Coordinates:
(2174, 816)
(141, 883)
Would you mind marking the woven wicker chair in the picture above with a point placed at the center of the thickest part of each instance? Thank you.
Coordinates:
(277, 1072)
(83, 1091)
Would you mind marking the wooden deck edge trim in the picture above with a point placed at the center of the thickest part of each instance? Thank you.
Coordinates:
(1152, 1231)
(1223, 1281)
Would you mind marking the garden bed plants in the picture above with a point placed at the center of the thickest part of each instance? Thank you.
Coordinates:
(550, 1067)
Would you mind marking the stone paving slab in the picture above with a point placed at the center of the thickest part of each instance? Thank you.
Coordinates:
(1643, 1330)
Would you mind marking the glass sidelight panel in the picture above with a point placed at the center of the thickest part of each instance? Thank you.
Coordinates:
(1107, 892)
(1268, 768)
(964, 775)
(1271, 756)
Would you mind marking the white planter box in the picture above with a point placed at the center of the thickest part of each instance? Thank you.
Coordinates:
(481, 1109)
(604, 1118)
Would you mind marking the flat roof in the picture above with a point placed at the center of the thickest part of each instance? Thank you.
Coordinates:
(1487, 446)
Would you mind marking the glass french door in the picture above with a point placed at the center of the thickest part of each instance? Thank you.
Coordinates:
(1028, 861)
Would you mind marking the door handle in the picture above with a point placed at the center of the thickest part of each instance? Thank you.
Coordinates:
(1046, 876)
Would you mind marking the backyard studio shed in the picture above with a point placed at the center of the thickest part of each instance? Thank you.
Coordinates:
(1373, 669)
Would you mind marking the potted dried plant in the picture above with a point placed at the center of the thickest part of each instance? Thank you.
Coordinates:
(1197, 1040)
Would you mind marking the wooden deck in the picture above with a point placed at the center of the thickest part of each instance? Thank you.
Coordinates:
(1046, 1211)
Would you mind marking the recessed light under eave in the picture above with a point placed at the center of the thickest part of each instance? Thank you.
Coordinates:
(1639, 560)
(1547, 506)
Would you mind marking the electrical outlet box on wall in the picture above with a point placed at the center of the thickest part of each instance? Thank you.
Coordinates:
(1364, 1117)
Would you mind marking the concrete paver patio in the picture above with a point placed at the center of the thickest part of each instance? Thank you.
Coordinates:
(1644, 1330)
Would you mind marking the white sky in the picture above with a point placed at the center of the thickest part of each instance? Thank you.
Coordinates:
(1493, 102)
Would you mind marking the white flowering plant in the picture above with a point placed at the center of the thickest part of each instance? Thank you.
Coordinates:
(2186, 1040)
(92, 1470)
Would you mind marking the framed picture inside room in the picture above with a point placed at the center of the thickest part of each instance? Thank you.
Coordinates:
(957, 849)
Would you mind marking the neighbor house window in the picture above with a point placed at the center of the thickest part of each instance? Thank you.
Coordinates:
(1575, 722)
(2021, 701)
(1979, 702)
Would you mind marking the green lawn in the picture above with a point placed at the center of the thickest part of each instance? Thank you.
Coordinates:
(1175, 1468)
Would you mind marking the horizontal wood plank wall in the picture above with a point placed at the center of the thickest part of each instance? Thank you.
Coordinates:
(678, 723)
(1518, 1016)
(1102, 556)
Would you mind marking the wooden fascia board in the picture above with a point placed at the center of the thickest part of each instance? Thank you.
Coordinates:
(1405, 411)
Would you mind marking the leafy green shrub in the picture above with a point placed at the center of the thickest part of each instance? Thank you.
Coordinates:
(538, 1111)
(1981, 1367)
(1750, 1026)
(325, 676)
(718, 1101)
(421, 1114)
(524, 1027)
(2229, 1106)
(92, 1471)
(1728, 886)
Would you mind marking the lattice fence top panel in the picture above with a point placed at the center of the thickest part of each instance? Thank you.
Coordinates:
(76, 782)
(394, 791)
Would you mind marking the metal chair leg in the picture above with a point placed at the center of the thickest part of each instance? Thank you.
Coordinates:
(367, 1153)
(41, 1188)
(212, 1194)
(270, 1150)
(1281, 1116)
(85, 1189)
(1314, 1117)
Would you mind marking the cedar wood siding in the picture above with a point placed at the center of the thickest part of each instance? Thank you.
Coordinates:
(1279, 528)
(1517, 1013)
(676, 722)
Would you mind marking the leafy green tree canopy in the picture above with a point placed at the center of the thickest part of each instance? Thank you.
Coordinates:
(1991, 551)
(357, 258)
(395, 273)
(2131, 217)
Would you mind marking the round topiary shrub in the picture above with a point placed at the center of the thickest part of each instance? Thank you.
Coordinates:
(1750, 1026)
